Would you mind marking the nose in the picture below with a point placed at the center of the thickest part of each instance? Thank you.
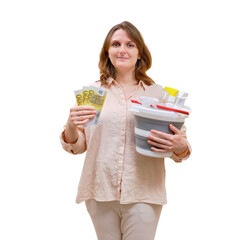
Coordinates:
(122, 49)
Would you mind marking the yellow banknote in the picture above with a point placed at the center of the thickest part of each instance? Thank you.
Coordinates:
(91, 96)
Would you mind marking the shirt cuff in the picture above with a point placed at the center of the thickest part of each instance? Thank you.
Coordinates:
(183, 156)
(69, 147)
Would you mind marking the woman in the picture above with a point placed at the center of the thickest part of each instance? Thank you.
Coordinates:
(124, 191)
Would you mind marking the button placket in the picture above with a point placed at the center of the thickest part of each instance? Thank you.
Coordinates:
(123, 105)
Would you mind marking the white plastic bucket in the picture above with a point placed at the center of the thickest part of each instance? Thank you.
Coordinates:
(148, 115)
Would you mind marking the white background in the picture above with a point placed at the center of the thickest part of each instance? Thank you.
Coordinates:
(50, 48)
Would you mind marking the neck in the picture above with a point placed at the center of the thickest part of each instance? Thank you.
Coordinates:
(126, 78)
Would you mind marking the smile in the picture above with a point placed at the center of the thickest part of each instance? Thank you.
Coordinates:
(122, 58)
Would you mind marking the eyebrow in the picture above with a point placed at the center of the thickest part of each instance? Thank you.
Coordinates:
(118, 41)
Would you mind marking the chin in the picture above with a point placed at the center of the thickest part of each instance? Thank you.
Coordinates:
(124, 67)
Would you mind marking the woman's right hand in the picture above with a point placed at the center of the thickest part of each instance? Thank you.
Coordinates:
(80, 115)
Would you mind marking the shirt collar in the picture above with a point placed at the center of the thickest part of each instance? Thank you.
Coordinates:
(110, 80)
(143, 84)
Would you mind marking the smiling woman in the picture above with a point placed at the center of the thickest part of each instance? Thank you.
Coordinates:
(123, 52)
(130, 38)
(123, 190)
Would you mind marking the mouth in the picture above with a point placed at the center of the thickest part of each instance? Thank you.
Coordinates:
(122, 58)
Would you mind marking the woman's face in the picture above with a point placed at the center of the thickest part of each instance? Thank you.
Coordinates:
(123, 52)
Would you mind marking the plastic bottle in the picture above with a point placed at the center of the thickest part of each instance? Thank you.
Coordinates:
(172, 92)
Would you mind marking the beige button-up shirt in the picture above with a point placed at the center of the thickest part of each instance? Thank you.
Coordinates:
(113, 170)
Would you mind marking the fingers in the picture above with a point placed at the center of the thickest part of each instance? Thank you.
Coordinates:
(174, 129)
(82, 119)
(160, 150)
(160, 141)
(161, 145)
(166, 135)
(83, 107)
(164, 142)
(82, 111)
(80, 115)
(80, 123)
(162, 135)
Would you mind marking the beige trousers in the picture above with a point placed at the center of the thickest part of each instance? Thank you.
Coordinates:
(115, 221)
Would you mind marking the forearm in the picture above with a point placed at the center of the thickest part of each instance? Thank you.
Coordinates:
(73, 140)
(73, 137)
(71, 134)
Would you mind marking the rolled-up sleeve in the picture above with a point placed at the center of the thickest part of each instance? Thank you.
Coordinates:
(78, 147)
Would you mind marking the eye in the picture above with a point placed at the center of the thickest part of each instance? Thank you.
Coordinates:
(115, 44)
(131, 45)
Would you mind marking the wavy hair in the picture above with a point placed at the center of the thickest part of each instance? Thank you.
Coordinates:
(142, 65)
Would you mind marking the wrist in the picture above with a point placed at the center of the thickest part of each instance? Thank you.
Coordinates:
(70, 127)
(70, 134)
(182, 152)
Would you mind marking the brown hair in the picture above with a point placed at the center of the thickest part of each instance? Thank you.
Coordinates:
(142, 65)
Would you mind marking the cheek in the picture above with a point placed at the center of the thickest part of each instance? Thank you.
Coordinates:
(135, 54)
(111, 54)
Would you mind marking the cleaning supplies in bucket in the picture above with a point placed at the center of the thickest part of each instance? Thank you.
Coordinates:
(175, 98)
(150, 114)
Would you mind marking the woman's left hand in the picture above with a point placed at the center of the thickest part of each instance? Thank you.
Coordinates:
(167, 142)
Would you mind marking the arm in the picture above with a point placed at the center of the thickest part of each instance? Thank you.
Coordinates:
(73, 137)
(176, 143)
